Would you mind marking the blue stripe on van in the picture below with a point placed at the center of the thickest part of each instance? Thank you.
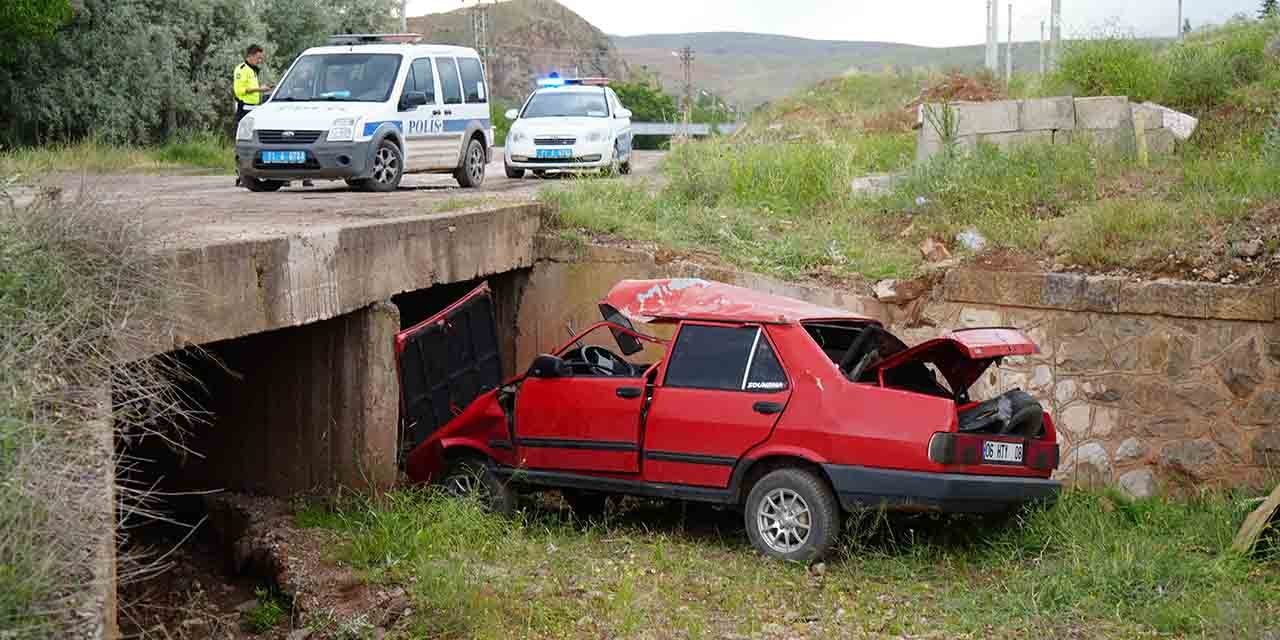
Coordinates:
(455, 125)
(371, 127)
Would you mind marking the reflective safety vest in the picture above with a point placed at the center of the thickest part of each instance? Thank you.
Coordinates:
(245, 79)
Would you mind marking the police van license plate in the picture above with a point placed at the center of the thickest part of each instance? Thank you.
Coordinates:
(555, 154)
(1001, 452)
(284, 157)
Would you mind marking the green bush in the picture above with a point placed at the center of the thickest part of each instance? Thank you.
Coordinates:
(1111, 66)
(780, 176)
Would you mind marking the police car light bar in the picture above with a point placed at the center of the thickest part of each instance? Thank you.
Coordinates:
(554, 80)
(375, 38)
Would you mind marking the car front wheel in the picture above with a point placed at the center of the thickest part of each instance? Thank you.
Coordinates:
(791, 514)
(388, 169)
(471, 174)
(259, 185)
(471, 478)
(513, 172)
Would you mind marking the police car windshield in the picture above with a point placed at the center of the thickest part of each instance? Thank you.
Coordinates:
(340, 77)
(566, 104)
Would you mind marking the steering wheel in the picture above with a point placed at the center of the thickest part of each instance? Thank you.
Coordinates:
(603, 359)
(858, 353)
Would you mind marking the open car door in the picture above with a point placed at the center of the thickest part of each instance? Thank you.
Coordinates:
(445, 363)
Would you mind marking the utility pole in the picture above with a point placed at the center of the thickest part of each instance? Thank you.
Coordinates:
(1180, 34)
(993, 36)
(1042, 48)
(480, 29)
(1008, 51)
(404, 16)
(686, 60)
(1055, 33)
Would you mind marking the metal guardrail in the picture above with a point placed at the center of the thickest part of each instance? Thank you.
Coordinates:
(677, 128)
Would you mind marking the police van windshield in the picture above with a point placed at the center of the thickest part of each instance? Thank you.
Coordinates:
(565, 104)
(340, 77)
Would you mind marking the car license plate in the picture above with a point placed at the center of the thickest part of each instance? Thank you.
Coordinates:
(555, 153)
(284, 157)
(1001, 452)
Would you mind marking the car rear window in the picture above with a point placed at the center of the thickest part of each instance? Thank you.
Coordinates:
(711, 357)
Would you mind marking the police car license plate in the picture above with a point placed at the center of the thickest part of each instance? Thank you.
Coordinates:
(1001, 452)
(555, 153)
(284, 157)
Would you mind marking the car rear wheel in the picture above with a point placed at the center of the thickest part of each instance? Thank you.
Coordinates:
(513, 172)
(471, 174)
(471, 478)
(388, 169)
(258, 185)
(791, 514)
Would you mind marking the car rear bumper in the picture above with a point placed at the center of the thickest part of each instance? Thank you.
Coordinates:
(325, 160)
(864, 487)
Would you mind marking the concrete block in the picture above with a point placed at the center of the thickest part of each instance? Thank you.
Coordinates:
(1015, 139)
(987, 117)
(1149, 115)
(1119, 140)
(1066, 136)
(1047, 113)
(1103, 113)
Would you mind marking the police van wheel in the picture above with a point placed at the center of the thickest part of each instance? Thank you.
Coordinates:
(513, 172)
(258, 185)
(624, 167)
(471, 174)
(388, 169)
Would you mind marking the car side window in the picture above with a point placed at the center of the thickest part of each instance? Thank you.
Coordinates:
(449, 83)
(765, 373)
(424, 78)
(711, 357)
(472, 79)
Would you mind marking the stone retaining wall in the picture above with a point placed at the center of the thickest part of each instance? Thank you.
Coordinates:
(1107, 121)
(1154, 385)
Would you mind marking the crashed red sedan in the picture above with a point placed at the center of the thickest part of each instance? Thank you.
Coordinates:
(792, 412)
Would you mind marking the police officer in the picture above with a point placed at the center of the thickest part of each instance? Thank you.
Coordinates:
(246, 86)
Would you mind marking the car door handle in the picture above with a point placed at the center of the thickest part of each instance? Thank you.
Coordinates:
(767, 408)
(436, 112)
(628, 393)
(448, 112)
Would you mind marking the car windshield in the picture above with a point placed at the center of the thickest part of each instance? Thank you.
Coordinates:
(566, 104)
(340, 77)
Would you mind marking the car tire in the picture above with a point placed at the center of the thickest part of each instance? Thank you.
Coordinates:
(621, 167)
(586, 505)
(471, 174)
(513, 172)
(471, 477)
(624, 167)
(258, 185)
(387, 169)
(781, 505)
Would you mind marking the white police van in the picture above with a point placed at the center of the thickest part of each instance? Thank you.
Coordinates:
(569, 125)
(369, 109)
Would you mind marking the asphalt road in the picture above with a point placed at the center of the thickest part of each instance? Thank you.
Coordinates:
(189, 210)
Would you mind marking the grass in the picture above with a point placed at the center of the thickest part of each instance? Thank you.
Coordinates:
(1094, 565)
(203, 152)
(271, 611)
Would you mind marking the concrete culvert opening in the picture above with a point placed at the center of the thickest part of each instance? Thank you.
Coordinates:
(267, 418)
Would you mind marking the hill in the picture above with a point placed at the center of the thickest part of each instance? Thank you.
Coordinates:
(753, 68)
(529, 38)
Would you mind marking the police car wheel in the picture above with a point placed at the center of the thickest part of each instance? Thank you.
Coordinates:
(258, 185)
(513, 172)
(388, 168)
(471, 174)
(624, 167)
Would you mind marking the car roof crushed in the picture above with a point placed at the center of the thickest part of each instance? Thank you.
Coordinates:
(676, 299)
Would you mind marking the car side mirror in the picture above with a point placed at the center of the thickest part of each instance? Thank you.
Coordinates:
(412, 100)
(512, 114)
(623, 114)
(549, 366)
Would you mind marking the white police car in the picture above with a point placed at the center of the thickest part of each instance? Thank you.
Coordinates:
(569, 125)
(369, 109)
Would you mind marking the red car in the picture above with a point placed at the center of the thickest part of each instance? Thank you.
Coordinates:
(793, 412)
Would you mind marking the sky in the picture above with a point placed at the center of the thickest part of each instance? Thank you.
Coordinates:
(936, 23)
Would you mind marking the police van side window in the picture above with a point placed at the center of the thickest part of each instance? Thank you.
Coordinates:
(424, 79)
(472, 79)
(449, 84)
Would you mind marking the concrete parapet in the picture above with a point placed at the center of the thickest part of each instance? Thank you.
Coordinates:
(1106, 112)
(1047, 114)
(976, 118)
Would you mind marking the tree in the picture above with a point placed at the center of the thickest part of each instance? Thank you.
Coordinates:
(646, 101)
(1270, 8)
(24, 23)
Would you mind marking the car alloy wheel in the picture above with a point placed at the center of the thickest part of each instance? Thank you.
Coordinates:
(386, 166)
(475, 164)
(784, 520)
(471, 478)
